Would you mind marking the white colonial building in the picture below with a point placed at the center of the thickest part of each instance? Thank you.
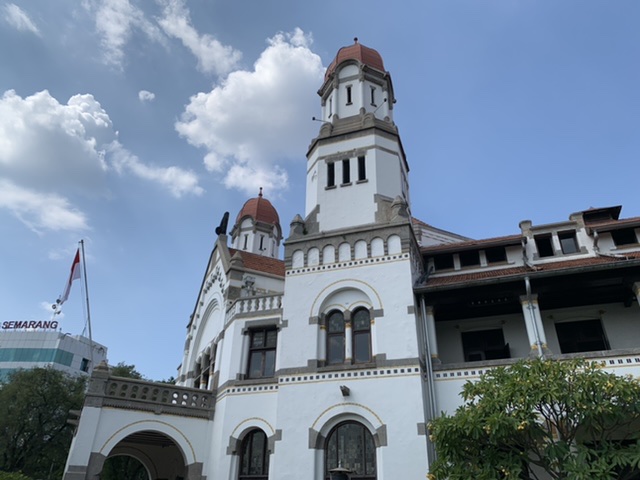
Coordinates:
(339, 355)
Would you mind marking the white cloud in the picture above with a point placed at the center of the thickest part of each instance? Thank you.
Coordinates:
(40, 211)
(18, 18)
(47, 147)
(213, 56)
(256, 119)
(146, 96)
(116, 20)
(177, 180)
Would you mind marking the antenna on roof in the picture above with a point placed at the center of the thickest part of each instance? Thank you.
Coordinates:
(260, 194)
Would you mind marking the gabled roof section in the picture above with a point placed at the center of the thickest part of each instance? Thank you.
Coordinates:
(260, 263)
(505, 241)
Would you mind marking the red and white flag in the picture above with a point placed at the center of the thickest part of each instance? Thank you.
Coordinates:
(75, 273)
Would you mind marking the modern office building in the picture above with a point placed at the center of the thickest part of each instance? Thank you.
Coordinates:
(339, 355)
(30, 344)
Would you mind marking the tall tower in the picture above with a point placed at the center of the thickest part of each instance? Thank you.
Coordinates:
(356, 166)
(349, 332)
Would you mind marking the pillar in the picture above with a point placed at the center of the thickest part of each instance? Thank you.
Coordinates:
(533, 324)
(431, 332)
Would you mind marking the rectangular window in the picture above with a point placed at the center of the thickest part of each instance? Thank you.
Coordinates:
(246, 239)
(484, 345)
(496, 255)
(544, 245)
(348, 94)
(470, 258)
(568, 242)
(443, 262)
(84, 365)
(331, 174)
(581, 336)
(262, 353)
(346, 173)
(625, 236)
(262, 243)
(362, 169)
(373, 96)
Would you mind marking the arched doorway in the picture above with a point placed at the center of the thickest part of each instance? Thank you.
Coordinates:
(350, 445)
(157, 454)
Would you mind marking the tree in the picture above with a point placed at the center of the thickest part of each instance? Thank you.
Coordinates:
(542, 419)
(126, 371)
(34, 433)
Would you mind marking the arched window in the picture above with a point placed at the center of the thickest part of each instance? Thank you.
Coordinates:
(254, 457)
(361, 336)
(335, 337)
(350, 445)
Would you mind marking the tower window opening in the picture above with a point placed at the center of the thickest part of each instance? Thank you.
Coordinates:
(331, 174)
(262, 243)
(373, 96)
(348, 94)
(330, 107)
(246, 240)
(362, 169)
(346, 173)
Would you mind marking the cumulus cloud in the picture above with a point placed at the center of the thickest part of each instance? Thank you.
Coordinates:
(47, 147)
(18, 18)
(40, 211)
(116, 21)
(213, 56)
(254, 120)
(146, 96)
(177, 180)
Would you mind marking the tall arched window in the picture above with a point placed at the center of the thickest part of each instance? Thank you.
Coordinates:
(350, 445)
(361, 336)
(254, 457)
(335, 337)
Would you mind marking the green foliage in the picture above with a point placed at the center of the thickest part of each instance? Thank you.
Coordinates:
(13, 476)
(126, 371)
(569, 419)
(122, 466)
(34, 433)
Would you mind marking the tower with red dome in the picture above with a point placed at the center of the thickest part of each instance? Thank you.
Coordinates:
(257, 228)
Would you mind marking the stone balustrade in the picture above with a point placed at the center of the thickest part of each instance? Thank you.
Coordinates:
(142, 395)
(254, 305)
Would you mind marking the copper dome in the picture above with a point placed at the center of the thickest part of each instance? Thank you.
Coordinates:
(357, 51)
(260, 209)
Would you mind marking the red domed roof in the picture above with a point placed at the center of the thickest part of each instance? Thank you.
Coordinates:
(359, 52)
(260, 209)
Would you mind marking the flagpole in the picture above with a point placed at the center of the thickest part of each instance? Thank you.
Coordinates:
(86, 291)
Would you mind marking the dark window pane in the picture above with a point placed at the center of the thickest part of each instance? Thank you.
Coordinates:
(484, 345)
(272, 336)
(568, 242)
(470, 258)
(362, 169)
(626, 236)
(331, 175)
(336, 322)
(443, 262)
(581, 336)
(496, 255)
(335, 349)
(346, 171)
(545, 248)
(361, 347)
(269, 363)
(257, 339)
(255, 365)
(361, 320)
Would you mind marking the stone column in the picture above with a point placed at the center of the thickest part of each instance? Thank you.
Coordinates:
(431, 332)
(246, 338)
(348, 337)
(533, 324)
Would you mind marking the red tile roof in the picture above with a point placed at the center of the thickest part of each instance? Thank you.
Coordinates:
(568, 265)
(470, 244)
(260, 263)
(260, 209)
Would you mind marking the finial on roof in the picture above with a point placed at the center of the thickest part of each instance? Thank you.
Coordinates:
(355, 39)
(260, 194)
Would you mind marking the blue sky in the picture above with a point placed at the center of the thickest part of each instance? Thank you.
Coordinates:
(135, 125)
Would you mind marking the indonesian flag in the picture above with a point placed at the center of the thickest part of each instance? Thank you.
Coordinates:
(75, 273)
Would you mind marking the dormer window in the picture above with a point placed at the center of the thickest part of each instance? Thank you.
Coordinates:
(625, 236)
(470, 258)
(544, 245)
(496, 255)
(443, 261)
(348, 94)
(568, 242)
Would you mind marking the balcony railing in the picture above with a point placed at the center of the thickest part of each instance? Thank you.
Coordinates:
(141, 395)
(254, 305)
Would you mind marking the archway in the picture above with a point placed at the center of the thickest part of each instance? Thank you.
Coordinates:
(157, 454)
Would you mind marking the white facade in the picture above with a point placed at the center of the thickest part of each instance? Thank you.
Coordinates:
(341, 354)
